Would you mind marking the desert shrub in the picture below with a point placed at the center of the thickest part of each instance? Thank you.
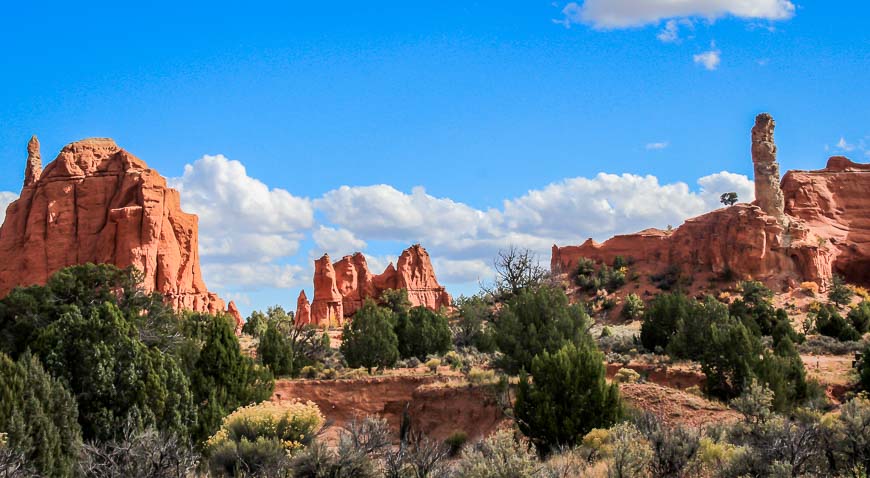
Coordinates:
(422, 332)
(319, 461)
(824, 345)
(850, 438)
(840, 294)
(669, 279)
(456, 441)
(755, 403)
(630, 451)
(275, 351)
(499, 455)
(355, 374)
(633, 308)
(477, 376)
(864, 369)
(256, 324)
(567, 397)
(413, 362)
(829, 322)
(810, 288)
(369, 340)
(626, 375)
(433, 365)
(674, 449)
(536, 320)
(859, 317)
(605, 278)
(146, 453)
(474, 315)
(661, 319)
(256, 439)
(39, 417)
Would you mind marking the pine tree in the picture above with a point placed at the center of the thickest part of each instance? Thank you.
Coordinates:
(39, 416)
(224, 379)
(422, 332)
(369, 340)
(275, 351)
(567, 397)
(536, 320)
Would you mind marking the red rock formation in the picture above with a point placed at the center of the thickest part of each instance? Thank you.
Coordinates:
(811, 226)
(341, 289)
(98, 203)
(303, 309)
(233, 312)
(326, 309)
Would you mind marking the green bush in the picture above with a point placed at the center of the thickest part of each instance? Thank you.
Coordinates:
(607, 278)
(534, 321)
(38, 416)
(369, 340)
(830, 323)
(633, 308)
(456, 441)
(421, 332)
(499, 455)
(840, 293)
(567, 396)
(662, 318)
(275, 351)
(474, 314)
(859, 317)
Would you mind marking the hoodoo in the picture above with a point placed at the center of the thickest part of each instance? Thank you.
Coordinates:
(807, 227)
(341, 288)
(98, 203)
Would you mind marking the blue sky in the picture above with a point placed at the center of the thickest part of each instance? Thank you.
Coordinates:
(466, 126)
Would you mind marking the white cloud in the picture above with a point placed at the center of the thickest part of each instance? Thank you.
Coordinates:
(670, 33)
(336, 242)
(611, 14)
(462, 271)
(6, 198)
(464, 239)
(710, 59)
(255, 275)
(844, 145)
(657, 146)
(240, 218)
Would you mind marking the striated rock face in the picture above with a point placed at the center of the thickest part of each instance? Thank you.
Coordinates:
(815, 224)
(834, 205)
(341, 288)
(98, 203)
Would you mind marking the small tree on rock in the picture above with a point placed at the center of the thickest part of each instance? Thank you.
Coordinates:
(728, 199)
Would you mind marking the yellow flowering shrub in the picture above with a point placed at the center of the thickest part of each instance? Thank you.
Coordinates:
(810, 288)
(861, 292)
(294, 424)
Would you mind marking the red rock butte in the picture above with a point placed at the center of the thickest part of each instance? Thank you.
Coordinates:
(98, 203)
(341, 288)
(808, 226)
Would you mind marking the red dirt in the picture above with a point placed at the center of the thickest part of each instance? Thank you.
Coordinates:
(434, 407)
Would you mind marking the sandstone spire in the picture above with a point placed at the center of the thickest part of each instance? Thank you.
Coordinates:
(768, 194)
(34, 162)
(303, 309)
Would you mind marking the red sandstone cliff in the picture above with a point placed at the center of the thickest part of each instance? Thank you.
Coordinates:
(341, 288)
(808, 227)
(98, 203)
